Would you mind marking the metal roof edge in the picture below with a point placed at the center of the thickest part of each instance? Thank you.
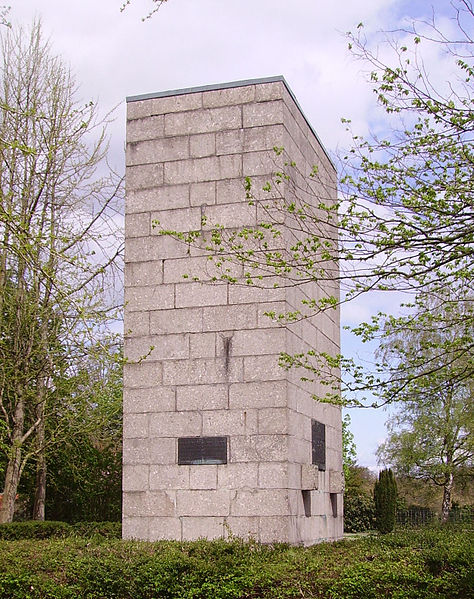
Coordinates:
(228, 85)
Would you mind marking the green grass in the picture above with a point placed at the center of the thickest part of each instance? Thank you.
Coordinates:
(420, 564)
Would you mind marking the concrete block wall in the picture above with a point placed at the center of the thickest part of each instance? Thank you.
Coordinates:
(203, 357)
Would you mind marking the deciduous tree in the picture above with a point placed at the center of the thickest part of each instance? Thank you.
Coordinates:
(404, 221)
(430, 434)
(58, 244)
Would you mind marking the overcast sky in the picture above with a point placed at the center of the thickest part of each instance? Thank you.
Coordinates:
(197, 42)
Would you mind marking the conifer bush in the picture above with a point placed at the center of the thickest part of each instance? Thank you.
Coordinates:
(385, 500)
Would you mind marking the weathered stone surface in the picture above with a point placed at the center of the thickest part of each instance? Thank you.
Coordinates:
(203, 477)
(203, 193)
(336, 481)
(260, 502)
(175, 424)
(229, 422)
(202, 169)
(149, 298)
(202, 145)
(164, 528)
(149, 451)
(142, 177)
(201, 397)
(152, 127)
(203, 503)
(257, 395)
(135, 478)
(149, 399)
(203, 528)
(203, 121)
(157, 150)
(149, 503)
(203, 355)
(170, 476)
(175, 103)
(309, 477)
(229, 97)
(157, 198)
(200, 294)
(237, 476)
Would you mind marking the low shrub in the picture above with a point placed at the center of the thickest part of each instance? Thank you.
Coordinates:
(34, 529)
(359, 513)
(426, 563)
(109, 530)
(50, 529)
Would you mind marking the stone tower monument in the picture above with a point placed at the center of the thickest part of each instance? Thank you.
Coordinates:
(218, 439)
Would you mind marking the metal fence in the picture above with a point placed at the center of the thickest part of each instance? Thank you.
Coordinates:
(424, 516)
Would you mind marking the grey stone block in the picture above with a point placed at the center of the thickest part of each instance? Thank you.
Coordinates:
(159, 347)
(149, 399)
(336, 481)
(273, 475)
(136, 324)
(203, 528)
(149, 503)
(157, 150)
(229, 318)
(237, 476)
(135, 478)
(202, 145)
(149, 451)
(202, 169)
(257, 395)
(156, 297)
(175, 424)
(142, 177)
(243, 527)
(180, 220)
(273, 421)
(137, 225)
(135, 426)
(164, 529)
(142, 375)
(265, 113)
(229, 422)
(230, 216)
(168, 477)
(152, 127)
(182, 372)
(203, 193)
(183, 320)
(203, 503)
(229, 97)
(135, 528)
(202, 345)
(203, 121)
(263, 368)
(260, 502)
(200, 294)
(309, 477)
(158, 198)
(203, 476)
(201, 397)
(258, 448)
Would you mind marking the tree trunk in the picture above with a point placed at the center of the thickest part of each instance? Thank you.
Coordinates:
(40, 492)
(446, 506)
(12, 478)
(40, 486)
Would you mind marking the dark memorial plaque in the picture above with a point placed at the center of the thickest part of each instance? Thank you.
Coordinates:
(202, 450)
(318, 440)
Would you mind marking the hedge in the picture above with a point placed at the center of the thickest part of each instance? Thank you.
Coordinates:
(414, 564)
